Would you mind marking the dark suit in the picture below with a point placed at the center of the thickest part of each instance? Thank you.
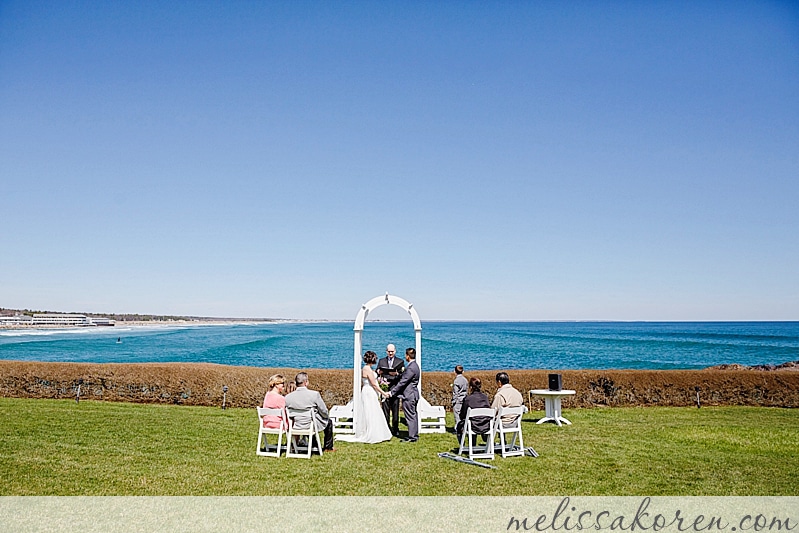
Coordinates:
(391, 405)
(480, 425)
(407, 388)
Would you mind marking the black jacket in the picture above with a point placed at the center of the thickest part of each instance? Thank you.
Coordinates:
(481, 424)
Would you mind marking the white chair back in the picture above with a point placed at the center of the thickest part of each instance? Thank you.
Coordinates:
(298, 420)
(342, 417)
(469, 436)
(432, 418)
(263, 447)
(515, 428)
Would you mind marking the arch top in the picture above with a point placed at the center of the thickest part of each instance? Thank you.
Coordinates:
(387, 299)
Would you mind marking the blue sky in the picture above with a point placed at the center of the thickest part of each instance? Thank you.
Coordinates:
(483, 160)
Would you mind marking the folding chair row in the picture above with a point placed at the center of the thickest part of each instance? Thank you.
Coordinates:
(476, 418)
(293, 426)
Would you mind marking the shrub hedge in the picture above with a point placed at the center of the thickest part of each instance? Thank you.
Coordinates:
(201, 384)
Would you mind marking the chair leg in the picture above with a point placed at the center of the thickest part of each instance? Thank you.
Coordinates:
(509, 449)
(472, 443)
(262, 447)
(293, 445)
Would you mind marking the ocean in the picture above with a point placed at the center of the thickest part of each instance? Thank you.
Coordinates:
(475, 345)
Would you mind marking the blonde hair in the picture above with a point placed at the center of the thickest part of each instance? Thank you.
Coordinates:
(276, 380)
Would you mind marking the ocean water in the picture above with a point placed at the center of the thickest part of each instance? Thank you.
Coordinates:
(475, 345)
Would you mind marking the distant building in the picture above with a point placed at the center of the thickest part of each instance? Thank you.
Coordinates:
(61, 320)
(16, 320)
(55, 320)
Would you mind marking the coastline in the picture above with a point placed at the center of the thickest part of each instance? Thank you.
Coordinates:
(122, 325)
(141, 324)
(201, 384)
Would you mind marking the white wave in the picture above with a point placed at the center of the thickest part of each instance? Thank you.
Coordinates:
(61, 331)
(30, 332)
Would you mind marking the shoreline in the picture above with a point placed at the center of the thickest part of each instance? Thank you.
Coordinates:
(164, 324)
(139, 324)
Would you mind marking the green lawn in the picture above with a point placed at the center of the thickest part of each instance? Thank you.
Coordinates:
(58, 447)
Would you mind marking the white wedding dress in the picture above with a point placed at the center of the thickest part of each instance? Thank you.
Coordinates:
(370, 421)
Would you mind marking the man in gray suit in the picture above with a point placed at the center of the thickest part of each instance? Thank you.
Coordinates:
(407, 388)
(305, 398)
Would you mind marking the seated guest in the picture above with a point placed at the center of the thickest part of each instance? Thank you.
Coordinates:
(476, 399)
(506, 396)
(305, 398)
(274, 400)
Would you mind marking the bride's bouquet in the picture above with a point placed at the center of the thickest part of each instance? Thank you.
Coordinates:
(384, 386)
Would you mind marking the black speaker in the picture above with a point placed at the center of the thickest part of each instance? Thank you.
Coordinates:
(555, 382)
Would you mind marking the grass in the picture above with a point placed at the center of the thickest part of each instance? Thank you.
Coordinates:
(58, 447)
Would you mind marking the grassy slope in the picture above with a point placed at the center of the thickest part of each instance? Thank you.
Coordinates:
(57, 447)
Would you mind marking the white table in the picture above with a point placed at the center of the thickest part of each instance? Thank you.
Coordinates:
(552, 404)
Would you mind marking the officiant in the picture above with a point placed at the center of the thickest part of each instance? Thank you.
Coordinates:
(390, 368)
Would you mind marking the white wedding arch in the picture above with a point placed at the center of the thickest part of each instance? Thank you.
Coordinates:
(431, 418)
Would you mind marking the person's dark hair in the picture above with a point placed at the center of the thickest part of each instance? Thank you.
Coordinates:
(475, 384)
(411, 352)
(370, 357)
(503, 378)
(459, 369)
(301, 379)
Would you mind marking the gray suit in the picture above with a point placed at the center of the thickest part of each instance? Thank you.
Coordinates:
(305, 398)
(408, 389)
(458, 395)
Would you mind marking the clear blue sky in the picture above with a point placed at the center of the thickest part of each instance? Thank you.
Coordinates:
(483, 160)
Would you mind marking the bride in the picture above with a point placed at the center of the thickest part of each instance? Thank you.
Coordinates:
(370, 423)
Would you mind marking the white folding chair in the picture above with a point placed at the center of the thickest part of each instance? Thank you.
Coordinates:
(342, 417)
(302, 417)
(432, 418)
(263, 440)
(515, 428)
(469, 436)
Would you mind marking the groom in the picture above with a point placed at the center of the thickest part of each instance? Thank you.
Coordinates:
(407, 388)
